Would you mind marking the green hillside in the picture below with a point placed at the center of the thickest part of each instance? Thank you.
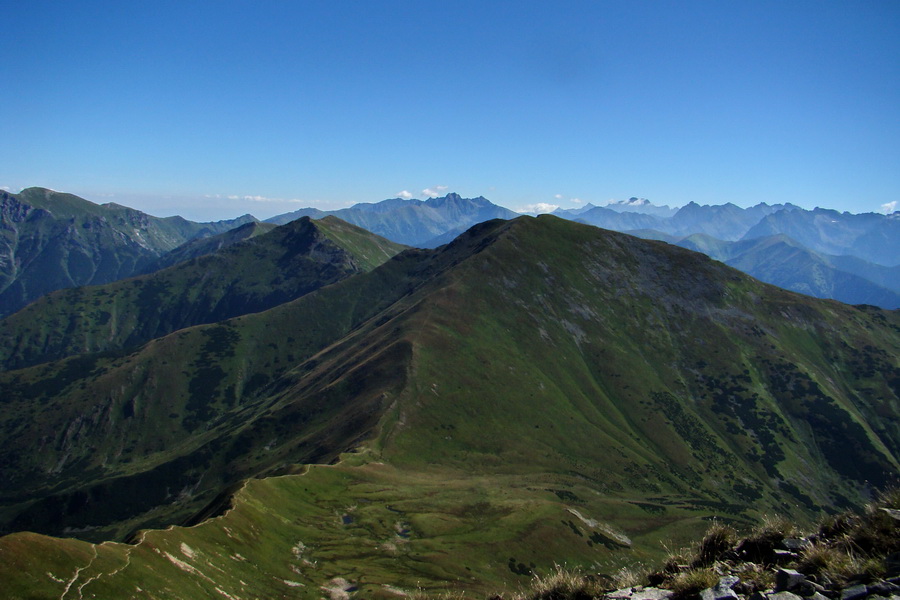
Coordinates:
(208, 245)
(247, 276)
(50, 240)
(536, 392)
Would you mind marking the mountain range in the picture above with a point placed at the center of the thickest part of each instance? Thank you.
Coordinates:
(423, 224)
(536, 391)
(249, 269)
(847, 257)
(782, 261)
(851, 258)
(50, 240)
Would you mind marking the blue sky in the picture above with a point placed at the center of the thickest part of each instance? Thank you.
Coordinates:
(215, 109)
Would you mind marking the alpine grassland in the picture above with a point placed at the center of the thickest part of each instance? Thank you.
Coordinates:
(251, 275)
(535, 393)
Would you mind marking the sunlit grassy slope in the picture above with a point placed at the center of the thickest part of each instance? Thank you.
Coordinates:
(537, 392)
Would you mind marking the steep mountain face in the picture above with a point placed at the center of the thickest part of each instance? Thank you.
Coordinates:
(228, 279)
(619, 221)
(781, 261)
(538, 391)
(50, 240)
(725, 222)
(872, 237)
(423, 224)
(642, 205)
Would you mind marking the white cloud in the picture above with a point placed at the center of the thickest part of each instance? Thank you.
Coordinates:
(889, 207)
(558, 196)
(254, 198)
(537, 209)
(434, 192)
(576, 201)
(405, 195)
(5, 188)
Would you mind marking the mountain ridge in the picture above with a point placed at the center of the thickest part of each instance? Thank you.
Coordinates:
(415, 222)
(242, 276)
(406, 351)
(491, 404)
(51, 240)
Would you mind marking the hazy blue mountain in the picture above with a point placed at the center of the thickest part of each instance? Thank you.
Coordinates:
(724, 221)
(607, 218)
(870, 236)
(314, 213)
(782, 261)
(571, 213)
(642, 205)
(414, 222)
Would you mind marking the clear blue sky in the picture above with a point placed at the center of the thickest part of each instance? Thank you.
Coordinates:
(173, 107)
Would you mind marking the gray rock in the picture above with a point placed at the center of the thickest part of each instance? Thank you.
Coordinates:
(784, 556)
(884, 588)
(854, 592)
(722, 590)
(794, 544)
(727, 582)
(651, 593)
(892, 512)
(788, 580)
(716, 593)
(783, 596)
(818, 596)
(640, 593)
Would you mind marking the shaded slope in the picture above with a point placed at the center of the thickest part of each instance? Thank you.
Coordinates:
(51, 240)
(83, 456)
(620, 369)
(251, 275)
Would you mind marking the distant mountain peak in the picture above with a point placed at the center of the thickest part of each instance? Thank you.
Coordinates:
(633, 201)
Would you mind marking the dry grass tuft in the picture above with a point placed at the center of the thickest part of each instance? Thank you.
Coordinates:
(719, 540)
(562, 584)
(823, 559)
(630, 576)
(690, 583)
(774, 528)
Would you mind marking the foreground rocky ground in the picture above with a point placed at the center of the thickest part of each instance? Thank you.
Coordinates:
(849, 557)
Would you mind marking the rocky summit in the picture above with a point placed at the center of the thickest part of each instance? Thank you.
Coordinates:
(851, 556)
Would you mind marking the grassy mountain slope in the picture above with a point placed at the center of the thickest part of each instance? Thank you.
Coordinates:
(209, 245)
(537, 391)
(256, 274)
(50, 240)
